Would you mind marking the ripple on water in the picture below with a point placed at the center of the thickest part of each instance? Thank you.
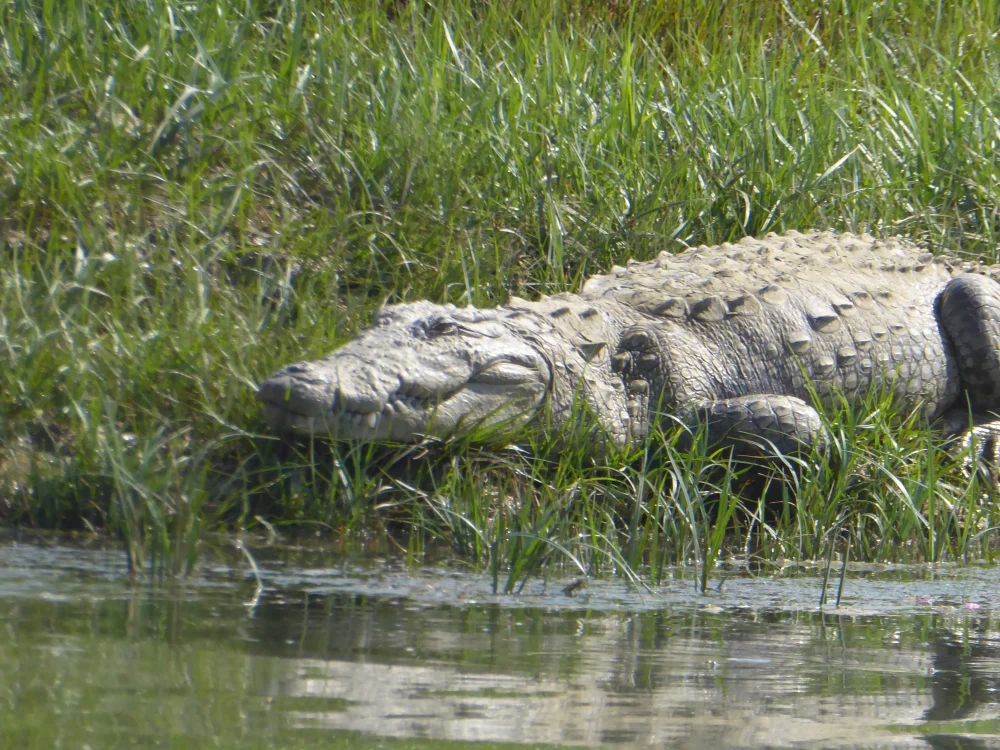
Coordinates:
(337, 645)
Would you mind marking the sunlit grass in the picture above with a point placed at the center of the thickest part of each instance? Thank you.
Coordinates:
(194, 194)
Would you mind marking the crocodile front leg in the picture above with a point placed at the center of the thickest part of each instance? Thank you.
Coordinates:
(666, 378)
(787, 423)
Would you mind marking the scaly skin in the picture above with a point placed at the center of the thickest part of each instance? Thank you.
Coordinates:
(426, 369)
(735, 337)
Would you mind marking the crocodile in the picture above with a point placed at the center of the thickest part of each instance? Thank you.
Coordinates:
(744, 340)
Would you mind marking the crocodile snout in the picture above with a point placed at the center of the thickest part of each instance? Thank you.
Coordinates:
(310, 389)
(287, 393)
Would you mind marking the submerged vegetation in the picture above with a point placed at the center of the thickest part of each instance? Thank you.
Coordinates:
(194, 194)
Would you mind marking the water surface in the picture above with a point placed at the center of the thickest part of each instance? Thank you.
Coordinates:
(337, 652)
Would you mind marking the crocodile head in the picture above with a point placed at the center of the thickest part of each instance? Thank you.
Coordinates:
(421, 370)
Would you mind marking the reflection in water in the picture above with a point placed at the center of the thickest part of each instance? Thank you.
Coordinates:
(590, 678)
(966, 676)
(432, 654)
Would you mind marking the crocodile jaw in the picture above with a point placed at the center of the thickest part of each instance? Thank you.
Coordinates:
(399, 382)
(289, 407)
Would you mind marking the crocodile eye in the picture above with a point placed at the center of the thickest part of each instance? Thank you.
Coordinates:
(442, 327)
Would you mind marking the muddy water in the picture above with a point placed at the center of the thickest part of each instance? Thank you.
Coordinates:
(348, 653)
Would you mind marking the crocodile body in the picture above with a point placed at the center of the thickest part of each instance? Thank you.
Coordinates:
(738, 337)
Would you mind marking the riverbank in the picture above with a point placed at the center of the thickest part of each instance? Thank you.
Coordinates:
(197, 194)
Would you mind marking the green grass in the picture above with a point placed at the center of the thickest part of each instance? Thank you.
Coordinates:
(194, 194)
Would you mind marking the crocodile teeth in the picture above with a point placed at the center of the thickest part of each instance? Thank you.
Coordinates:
(372, 419)
(408, 402)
